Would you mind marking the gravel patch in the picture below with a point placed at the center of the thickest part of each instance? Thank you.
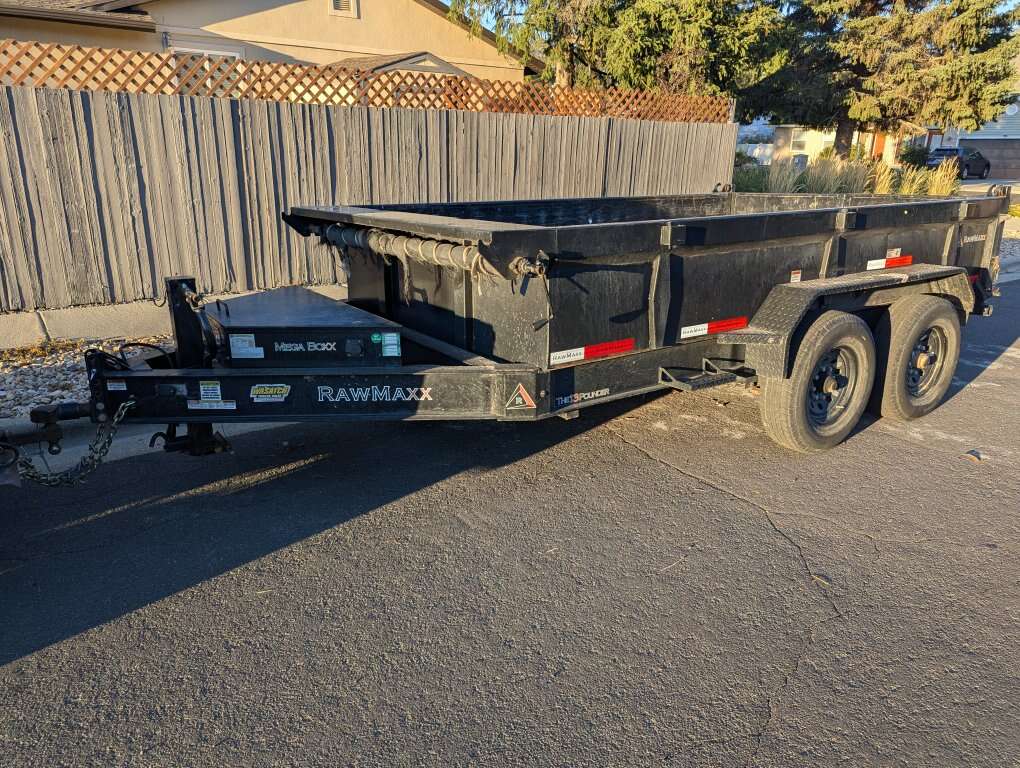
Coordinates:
(52, 372)
(1009, 256)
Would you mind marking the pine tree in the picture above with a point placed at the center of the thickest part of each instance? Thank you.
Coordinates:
(694, 46)
(894, 65)
(697, 46)
(562, 32)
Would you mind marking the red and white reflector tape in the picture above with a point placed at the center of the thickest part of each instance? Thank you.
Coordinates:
(892, 259)
(716, 326)
(591, 352)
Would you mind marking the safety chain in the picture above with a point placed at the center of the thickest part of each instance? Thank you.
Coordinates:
(89, 463)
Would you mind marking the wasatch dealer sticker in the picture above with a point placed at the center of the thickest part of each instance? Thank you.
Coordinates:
(270, 393)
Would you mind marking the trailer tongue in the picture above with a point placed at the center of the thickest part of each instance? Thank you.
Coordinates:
(519, 311)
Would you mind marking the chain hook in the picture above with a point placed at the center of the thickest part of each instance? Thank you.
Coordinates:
(89, 463)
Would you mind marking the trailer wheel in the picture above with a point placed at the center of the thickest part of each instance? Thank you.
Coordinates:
(828, 388)
(918, 343)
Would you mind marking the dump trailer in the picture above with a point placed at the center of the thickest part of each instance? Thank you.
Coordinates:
(525, 310)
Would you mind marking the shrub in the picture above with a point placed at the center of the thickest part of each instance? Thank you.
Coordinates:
(883, 179)
(944, 180)
(854, 177)
(784, 176)
(913, 181)
(750, 178)
(823, 177)
(1014, 210)
(858, 153)
(914, 155)
(827, 176)
(742, 158)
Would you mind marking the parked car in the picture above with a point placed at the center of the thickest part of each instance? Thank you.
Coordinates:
(970, 161)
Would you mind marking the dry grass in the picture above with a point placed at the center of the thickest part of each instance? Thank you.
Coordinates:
(25, 355)
(1014, 210)
(784, 177)
(883, 179)
(829, 176)
(913, 181)
(855, 177)
(944, 180)
(824, 176)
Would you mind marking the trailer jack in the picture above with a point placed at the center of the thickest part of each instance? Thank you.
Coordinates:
(198, 440)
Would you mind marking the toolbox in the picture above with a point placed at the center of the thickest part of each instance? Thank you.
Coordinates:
(297, 327)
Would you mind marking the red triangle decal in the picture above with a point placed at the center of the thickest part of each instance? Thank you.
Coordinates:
(520, 399)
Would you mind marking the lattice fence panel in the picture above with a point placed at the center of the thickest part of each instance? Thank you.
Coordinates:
(53, 65)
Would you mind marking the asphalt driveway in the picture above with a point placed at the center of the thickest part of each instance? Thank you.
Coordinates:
(653, 583)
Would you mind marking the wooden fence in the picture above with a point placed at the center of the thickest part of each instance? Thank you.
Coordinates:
(52, 65)
(103, 194)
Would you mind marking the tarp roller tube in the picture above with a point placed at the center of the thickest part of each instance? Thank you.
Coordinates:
(426, 251)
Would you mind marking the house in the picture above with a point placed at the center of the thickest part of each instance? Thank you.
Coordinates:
(793, 140)
(405, 34)
(805, 144)
(998, 140)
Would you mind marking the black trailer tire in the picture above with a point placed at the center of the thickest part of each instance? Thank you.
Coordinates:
(834, 370)
(916, 329)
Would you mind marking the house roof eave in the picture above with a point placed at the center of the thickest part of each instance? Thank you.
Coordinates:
(88, 18)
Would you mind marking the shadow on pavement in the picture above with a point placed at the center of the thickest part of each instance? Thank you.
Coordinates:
(150, 526)
(986, 339)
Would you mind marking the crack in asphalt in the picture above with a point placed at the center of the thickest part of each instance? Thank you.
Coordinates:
(876, 540)
(774, 707)
(812, 577)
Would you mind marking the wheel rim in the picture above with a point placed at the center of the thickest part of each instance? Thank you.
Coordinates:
(831, 390)
(927, 361)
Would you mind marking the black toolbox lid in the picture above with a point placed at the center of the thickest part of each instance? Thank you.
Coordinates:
(292, 307)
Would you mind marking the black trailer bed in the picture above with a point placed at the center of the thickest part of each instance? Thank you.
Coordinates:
(572, 280)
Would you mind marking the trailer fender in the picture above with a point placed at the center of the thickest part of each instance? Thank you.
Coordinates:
(769, 338)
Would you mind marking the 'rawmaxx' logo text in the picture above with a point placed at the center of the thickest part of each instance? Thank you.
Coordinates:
(385, 394)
